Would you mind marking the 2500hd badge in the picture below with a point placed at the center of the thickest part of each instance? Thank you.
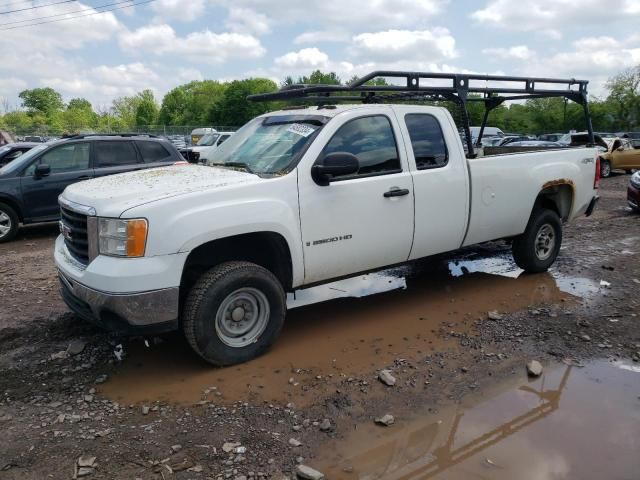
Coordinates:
(330, 240)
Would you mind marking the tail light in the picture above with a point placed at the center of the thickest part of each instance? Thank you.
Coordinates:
(596, 180)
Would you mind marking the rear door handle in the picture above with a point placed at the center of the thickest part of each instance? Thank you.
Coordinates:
(396, 192)
(83, 177)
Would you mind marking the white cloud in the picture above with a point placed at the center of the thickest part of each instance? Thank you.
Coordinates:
(179, 9)
(422, 45)
(520, 52)
(364, 13)
(201, 47)
(303, 59)
(246, 20)
(550, 16)
(322, 36)
(593, 58)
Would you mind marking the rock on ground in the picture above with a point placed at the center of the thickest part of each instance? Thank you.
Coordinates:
(308, 473)
(386, 378)
(534, 368)
(385, 420)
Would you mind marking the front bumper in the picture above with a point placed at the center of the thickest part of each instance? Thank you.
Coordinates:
(138, 313)
(633, 197)
(129, 296)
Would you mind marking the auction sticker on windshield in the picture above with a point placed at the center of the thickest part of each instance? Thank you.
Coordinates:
(301, 129)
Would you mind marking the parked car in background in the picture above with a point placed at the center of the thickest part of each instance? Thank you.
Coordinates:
(513, 138)
(198, 133)
(11, 151)
(550, 137)
(35, 139)
(620, 155)
(534, 143)
(31, 184)
(633, 136)
(633, 191)
(209, 143)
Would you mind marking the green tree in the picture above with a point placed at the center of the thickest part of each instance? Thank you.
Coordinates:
(234, 109)
(78, 116)
(41, 100)
(316, 78)
(146, 108)
(124, 109)
(79, 104)
(624, 98)
(192, 103)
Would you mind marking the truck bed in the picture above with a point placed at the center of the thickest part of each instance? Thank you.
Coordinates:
(504, 187)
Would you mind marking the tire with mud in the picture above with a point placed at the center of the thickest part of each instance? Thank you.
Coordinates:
(605, 168)
(233, 313)
(537, 248)
(8, 223)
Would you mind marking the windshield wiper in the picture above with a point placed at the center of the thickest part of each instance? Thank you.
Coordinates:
(242, 165)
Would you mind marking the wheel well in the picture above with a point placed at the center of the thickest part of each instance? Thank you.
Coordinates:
(267, 249)
(13, 204)
(557, 197)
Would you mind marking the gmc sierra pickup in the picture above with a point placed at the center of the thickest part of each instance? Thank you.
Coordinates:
(299, 197)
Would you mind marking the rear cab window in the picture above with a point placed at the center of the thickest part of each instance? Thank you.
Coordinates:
(427, 141)
(114, 154)
(372, 141)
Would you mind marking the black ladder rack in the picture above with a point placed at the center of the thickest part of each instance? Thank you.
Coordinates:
(492, 90)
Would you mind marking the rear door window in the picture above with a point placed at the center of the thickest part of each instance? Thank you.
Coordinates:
(114, 154)
(427, 141)
(153, 152)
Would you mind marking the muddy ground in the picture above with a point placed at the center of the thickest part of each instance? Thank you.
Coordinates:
(160, 413)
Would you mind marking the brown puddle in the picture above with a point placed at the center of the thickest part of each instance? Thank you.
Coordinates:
(572, 423)
(324, 342)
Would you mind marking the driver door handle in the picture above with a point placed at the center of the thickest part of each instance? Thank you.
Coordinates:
(396, 192)
(83, 177)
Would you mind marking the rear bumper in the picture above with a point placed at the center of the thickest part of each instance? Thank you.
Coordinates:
(592, 206)
(143, 313)
(633, 197)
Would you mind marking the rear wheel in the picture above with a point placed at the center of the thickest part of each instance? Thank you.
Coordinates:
(605, 168)
(234, 313)
(537, 248)
(8, 223)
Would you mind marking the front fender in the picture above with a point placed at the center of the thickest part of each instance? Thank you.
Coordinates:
(180, 224)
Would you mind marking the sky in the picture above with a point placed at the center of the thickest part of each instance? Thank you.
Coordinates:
(165, 43)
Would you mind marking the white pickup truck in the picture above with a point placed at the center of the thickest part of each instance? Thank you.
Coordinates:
(299, 197)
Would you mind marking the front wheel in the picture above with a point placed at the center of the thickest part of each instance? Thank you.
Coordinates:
(8, 223)
(605, 168)
(234, 313)
(537, 248)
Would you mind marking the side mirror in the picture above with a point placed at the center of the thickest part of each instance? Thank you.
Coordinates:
(42, 171)
(334, 164)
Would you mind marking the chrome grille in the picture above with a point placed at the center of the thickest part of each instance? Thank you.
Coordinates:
(73, 227)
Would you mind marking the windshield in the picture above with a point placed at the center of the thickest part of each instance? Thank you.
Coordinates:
(269, 145)
(208, 140)
(22, 160)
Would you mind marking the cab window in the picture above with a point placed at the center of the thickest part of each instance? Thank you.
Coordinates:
(427, 141)
(372, 141)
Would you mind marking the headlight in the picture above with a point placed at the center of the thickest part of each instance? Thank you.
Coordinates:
(122, 238)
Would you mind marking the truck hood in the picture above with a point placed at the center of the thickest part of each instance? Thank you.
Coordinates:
(113, 194)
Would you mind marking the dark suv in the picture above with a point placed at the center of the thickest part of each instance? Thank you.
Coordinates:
(30, 185)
